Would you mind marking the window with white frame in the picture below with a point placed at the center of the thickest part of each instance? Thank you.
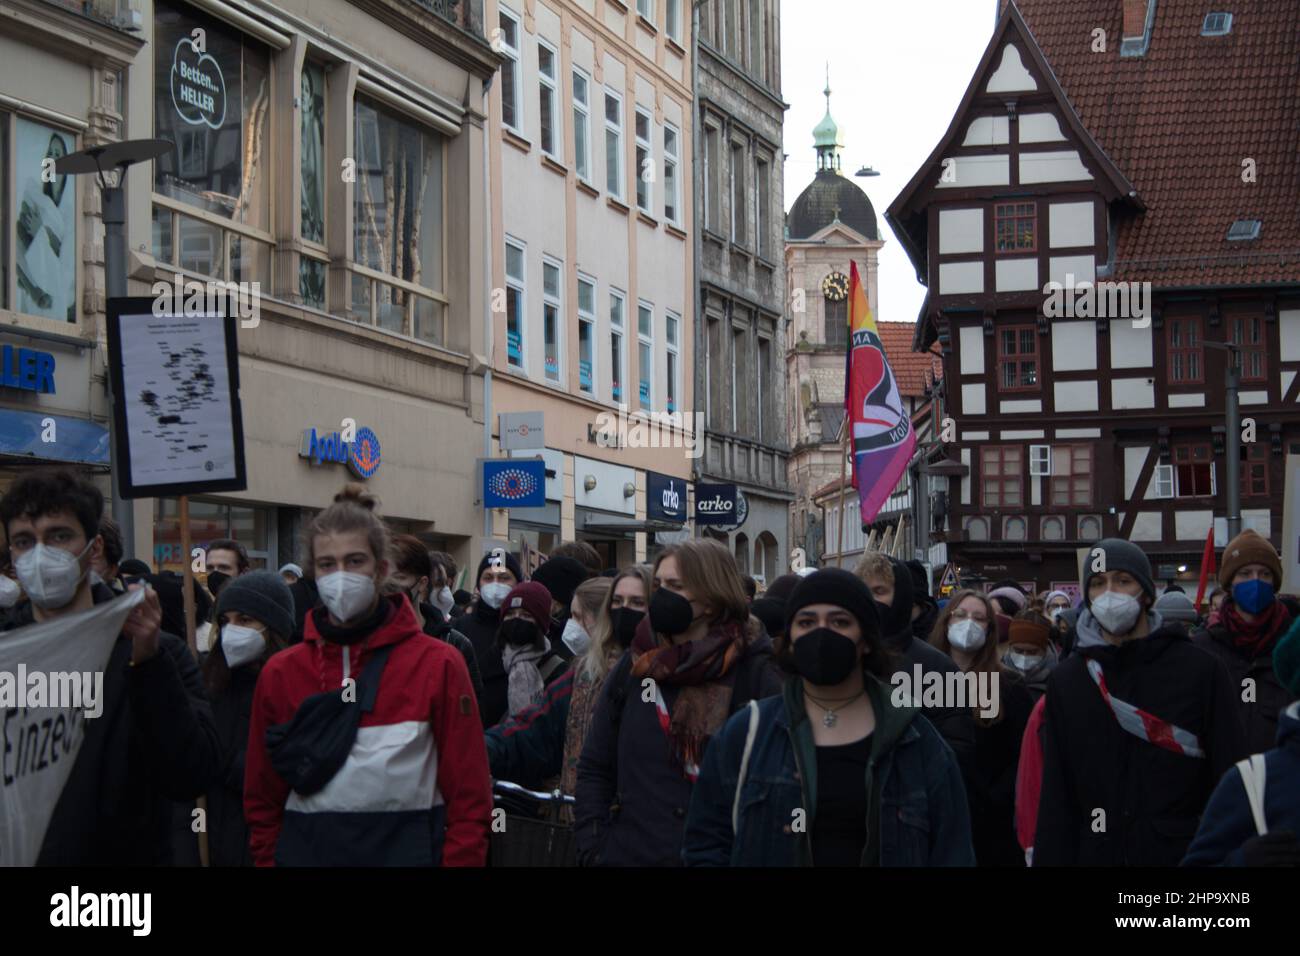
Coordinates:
(509, 36)
(646, 8)
(673, 19)
(673, 359)
(515, 304)
(587, 335)
(645, 318)
(617, 361)
(614, 144)
(548, 117)
(672, 190)
(581, 125)
(645, 163)
(552, 310)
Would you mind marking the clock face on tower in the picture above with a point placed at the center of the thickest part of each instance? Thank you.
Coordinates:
(836, 287)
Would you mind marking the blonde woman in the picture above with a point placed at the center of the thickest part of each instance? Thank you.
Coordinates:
(544, 740)
(967, 631)
(696, 659)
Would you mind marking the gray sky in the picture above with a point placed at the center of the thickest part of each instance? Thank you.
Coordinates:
(898, 71)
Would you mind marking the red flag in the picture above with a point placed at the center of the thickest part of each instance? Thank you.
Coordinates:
(1207, 565)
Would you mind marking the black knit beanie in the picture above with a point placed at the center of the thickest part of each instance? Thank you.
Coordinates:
(561, 575)
(512, 565)
(262, 595)
(841, 588)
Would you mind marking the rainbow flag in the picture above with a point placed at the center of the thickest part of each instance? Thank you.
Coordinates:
(883, 439)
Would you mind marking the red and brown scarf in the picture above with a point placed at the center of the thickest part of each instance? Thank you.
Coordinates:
(1254, 638)
(699, 669)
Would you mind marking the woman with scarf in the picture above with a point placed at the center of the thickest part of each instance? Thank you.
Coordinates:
(1251, 621)
(697, 658)
(525, 651)
(1030, 652)
(545, 740)
(497, 573)
(838, 770)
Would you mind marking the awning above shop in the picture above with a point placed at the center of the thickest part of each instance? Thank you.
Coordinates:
(41, 437)
(601, 524)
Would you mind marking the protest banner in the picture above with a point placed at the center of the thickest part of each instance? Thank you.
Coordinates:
(51, 684)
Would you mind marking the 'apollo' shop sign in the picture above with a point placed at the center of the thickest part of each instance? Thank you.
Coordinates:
(361, 454)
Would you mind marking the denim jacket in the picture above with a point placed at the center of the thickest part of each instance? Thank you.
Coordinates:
(917, 810)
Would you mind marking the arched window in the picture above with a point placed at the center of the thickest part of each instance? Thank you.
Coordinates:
(1013, 529)
(1053, 528)
(742, 553)
(977, 529)
(1090, 527)
(765, 556)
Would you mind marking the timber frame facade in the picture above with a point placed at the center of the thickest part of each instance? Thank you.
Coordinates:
(1069, 428)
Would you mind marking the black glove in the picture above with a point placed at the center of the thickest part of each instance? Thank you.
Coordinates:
(1278, 848)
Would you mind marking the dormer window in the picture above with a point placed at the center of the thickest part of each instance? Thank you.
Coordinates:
(1016, 226)
(1244, 229)
(1216, 25)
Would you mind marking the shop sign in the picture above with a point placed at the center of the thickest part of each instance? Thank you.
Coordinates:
(198, 87)
(665, 497)
(27, 369)
(362, 454)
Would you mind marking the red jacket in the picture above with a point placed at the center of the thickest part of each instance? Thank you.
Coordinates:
(415, 788)
(1029, 777)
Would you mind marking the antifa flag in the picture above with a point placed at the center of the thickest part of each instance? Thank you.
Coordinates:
(883, 439)
(51, 685)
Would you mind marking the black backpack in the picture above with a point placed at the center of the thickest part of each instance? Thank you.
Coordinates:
(309, 750)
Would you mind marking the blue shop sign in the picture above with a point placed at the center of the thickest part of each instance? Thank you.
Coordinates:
(53, 438)
(665, 497)
(27, 369)
(514, 483)
(362, 454)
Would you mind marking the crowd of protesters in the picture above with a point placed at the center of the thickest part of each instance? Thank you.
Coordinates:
(354, 709)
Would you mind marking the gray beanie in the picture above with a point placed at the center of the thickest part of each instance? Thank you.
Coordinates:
(1120, 555)
(1176, 606)
(262, 595)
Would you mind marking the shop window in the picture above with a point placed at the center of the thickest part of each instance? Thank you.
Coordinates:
(217, 112)
(397, 220)
(44, 217)
(252, 527)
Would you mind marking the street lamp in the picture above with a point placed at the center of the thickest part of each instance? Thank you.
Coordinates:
(1232, 440)
(96, 160)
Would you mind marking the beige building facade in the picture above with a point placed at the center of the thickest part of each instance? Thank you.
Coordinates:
(591, 263)
(332, 153)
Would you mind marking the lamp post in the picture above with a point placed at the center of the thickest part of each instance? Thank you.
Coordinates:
(96, 160)
(1232, 438)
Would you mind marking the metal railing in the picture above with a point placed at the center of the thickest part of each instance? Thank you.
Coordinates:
(466, 14)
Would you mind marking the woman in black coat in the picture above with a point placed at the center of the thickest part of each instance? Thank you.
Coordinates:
(254, 614)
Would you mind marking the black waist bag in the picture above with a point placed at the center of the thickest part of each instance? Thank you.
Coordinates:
(308, 751)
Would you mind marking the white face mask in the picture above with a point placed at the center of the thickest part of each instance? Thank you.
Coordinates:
(241, 644)
(10, 592)
(1116, 612)
(346, 594)
(966, 635)
(493, 594)
(443, 600)
(1056, 613)
(1024, 662)
(50, 576)
(575, 637)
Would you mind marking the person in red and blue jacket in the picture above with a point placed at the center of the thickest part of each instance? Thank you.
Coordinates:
(414, 790)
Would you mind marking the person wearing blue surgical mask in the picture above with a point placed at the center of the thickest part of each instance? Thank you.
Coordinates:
(1251, 620)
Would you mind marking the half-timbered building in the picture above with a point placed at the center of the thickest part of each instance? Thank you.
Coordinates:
(1115, 197)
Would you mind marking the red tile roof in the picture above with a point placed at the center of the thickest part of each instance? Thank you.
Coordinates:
(1180, 121)
(909, 367)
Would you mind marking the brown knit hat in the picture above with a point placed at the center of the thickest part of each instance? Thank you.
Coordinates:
(1028, 632)
(1249, 547)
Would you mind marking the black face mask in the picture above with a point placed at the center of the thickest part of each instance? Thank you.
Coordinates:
(824, 656)
(519, 632)
(670, 613)
(216, 581)
(625, 620)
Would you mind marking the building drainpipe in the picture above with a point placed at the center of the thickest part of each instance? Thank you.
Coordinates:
(696, 238)
(487, 298)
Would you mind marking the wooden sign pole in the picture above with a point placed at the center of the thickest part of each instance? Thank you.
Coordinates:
(187, 586)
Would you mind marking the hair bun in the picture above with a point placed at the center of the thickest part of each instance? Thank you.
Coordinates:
(356, 494)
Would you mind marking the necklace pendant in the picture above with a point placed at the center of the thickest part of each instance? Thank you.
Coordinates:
(829, 719)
